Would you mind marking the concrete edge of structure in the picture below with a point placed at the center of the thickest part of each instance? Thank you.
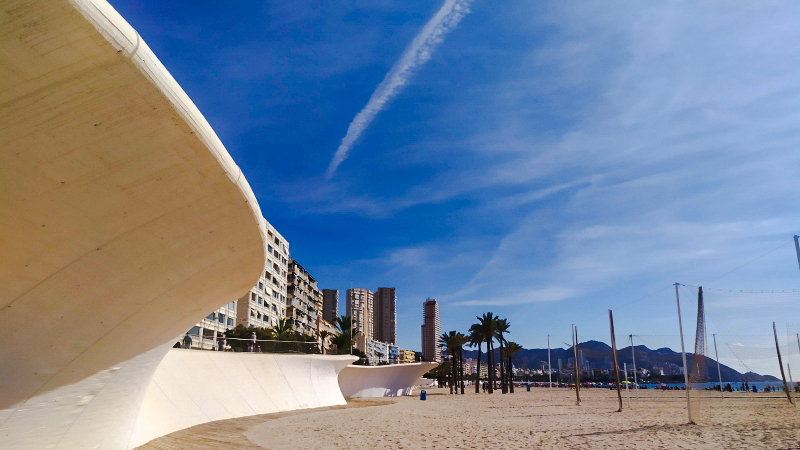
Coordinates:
(382, 381)
(127, 40)
(166, 390)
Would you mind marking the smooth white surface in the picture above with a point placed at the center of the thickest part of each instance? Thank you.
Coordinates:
(124, 220)
(166, 390)
(381, 381)
(191, 387)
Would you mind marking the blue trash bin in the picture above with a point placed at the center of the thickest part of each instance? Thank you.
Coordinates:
(529, 388)
(423, 395)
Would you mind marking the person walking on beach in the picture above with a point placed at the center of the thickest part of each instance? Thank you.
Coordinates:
(187, 341)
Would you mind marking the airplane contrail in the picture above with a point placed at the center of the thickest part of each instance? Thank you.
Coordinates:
(419, 51)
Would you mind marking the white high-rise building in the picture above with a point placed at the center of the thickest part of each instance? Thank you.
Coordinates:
(359, 308)
(266, 301)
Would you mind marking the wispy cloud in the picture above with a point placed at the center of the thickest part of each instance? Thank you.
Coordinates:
(447, 18)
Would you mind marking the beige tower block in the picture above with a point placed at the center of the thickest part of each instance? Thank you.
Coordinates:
(123, 219)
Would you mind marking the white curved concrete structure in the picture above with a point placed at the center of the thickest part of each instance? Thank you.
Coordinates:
(381, 381)
(149, 397)
(124, 220)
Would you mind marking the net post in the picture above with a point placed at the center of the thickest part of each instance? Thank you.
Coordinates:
(683, 353)
(575, 365)
(797, 249)
(614, 358)
(780, 363)
(549, 369)
(635, 381)
(719, 372)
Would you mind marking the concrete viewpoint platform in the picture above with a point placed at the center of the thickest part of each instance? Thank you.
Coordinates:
(382, 381)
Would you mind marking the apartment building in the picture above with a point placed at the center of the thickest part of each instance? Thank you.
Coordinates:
(431, 330)
(359, 308)
(406, 356)
(330, 305)
(266, 301)
(205, 333)
(385, 315)
(305, 300)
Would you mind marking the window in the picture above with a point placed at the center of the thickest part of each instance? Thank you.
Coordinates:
(259, 300)
(259, 315)
(195, 331)
(210, 316)
(269, 247)
(221, 318)
(230, 322)
(260, 286)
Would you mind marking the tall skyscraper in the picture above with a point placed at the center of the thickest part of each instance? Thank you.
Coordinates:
(330, 305)
(359, 308)
(385, 315)
(430, 331)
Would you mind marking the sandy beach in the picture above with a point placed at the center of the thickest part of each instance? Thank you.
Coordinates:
(657, 420)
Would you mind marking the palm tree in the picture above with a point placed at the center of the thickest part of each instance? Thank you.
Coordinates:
(282, 330)
(460, 340)
(345, 338)
(449, 342)
(511, 349)
(475, 340)
(486, 326)
(501, 327)
(323, 337)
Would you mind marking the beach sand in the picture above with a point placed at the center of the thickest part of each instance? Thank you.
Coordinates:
(523, 420)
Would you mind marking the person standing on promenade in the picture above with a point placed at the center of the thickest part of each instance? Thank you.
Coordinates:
(221, 343)
(253, 338)
(187, 341)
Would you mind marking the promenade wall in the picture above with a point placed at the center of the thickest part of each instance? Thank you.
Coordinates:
(382, 381)
(166, 390)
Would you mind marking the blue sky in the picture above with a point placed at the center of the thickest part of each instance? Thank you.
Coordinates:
(545, 161)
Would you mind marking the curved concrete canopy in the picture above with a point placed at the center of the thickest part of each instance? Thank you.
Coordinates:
(124, 220)
(381, 381)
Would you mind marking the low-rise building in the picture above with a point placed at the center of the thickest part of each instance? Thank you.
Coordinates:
(379, 353)
(394, 354)
(406, 356)
(207, 331)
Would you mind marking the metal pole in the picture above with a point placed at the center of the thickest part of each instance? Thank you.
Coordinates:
(719, 372)
(635, 381)
(575, 365)
(797, 249)
(683, 353)
(549, 368)
(627, 390)
(614, 359)
(780, 362)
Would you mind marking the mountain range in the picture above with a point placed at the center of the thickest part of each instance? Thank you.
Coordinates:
(597, 355)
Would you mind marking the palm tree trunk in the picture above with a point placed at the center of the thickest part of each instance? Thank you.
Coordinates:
(478, 377)
(490, 359)
(461, 369)
(454, 374)
(503, 385)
